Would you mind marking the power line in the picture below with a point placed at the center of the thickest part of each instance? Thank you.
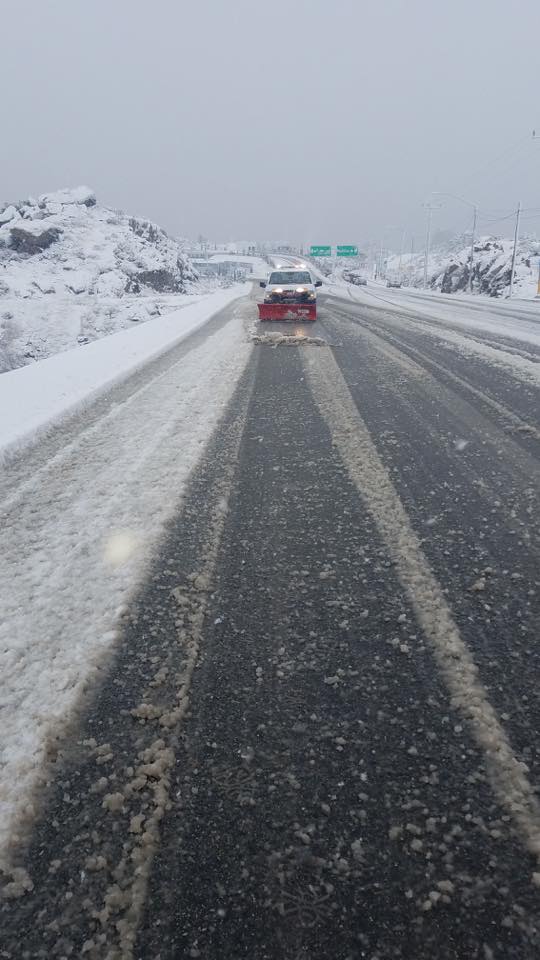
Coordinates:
(509, 216)
(521, 152)
(491, 163)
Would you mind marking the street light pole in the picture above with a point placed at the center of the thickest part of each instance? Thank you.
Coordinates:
(387, 228)
(473, 238)
(454, 196)
(430, 207)
(402, 244)
(514, 253)
(426, 252)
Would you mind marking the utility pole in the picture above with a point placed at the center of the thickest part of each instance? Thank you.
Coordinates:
(516, 238)
(401, 252)
(430, 207)
(473, 238)
(454, 196)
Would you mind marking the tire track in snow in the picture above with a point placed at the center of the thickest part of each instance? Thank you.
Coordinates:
(107, 846)
(350, 435)
(62, 587)
(62, 439)
(119, 926)
(423, 366)
(516, 357)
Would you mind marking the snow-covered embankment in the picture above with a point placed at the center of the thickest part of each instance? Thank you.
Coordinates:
(80, 528)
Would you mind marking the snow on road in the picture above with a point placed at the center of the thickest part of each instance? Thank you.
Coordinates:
(518, 320)
(79, 531)
(352, 438)
(447, 320)
(35, 396)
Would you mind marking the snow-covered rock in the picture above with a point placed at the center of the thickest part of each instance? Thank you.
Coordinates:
(79, 195)
(112, 283)
(33, 236)
(449, 267)
(9, 213)
(72, 270)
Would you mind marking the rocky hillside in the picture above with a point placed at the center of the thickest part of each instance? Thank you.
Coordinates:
(449, 267)
(72, 270)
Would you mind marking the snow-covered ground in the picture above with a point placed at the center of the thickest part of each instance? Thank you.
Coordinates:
(72, 271)
(83, 512)
(34, 397)
(448, 267)
(514, 325)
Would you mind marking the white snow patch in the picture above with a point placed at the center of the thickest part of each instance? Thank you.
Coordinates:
(79, 532)
(76, 195)
(34, 397)
(70, 267)
(483, 326)
(9, 214)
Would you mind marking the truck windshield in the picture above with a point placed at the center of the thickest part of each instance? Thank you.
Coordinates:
(290, 276)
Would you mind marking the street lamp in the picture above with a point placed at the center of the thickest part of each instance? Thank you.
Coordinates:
(393, 226)
(430, 207)
(401, 248)
(474, 206)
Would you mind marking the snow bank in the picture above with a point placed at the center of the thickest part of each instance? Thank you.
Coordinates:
(79, 531)
(449, 267)
(69, 267)
(511, 328)
(34, 397)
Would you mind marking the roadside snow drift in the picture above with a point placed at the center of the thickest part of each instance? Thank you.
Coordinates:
(81, 519)
(449, 267)
(72, 270)
(35, 397)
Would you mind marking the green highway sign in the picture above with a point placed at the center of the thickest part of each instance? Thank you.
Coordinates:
(320, 251)
(347, 251)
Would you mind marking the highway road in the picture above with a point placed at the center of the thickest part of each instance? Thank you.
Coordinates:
(319, 734)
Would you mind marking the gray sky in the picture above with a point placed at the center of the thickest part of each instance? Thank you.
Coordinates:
(316, 120)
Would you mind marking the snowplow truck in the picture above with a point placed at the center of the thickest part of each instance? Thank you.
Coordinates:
(289, 295)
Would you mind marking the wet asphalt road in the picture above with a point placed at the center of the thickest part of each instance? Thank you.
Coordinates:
(281, 762)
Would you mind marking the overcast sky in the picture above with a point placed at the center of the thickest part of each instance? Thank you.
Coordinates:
(314, 120)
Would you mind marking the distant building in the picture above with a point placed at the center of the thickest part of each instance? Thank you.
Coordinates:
(232, 269)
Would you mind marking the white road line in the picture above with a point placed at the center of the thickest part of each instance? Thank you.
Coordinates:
(352, 439)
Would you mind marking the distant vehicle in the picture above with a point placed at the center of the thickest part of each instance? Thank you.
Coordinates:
(393, 283)
(290, 295)
(352, 277)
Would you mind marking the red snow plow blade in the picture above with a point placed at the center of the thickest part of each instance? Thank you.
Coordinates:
(287, 311)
